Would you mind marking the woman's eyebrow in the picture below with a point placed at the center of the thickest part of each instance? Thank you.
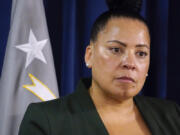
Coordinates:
(143, 45)
(117, 41)
(125, 45)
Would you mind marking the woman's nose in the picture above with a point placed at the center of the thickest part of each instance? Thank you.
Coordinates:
(128, 62)
(129, 66)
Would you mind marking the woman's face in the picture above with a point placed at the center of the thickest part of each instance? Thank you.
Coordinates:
(120, 58)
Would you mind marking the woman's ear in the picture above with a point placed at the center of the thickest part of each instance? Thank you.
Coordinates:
(89, 55)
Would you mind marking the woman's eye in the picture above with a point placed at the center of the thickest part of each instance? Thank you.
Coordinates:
(115, 50)
(142, 54)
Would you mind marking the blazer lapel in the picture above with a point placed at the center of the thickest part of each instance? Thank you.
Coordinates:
(88, 109)
(148, 115)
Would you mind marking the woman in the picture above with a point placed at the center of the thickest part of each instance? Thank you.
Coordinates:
(119, 55)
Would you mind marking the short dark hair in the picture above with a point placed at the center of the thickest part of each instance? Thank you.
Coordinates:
(103, 19)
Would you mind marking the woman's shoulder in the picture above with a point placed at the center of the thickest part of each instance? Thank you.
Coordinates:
(57, 105)
(154, 100)
(157, 104)
(43, 115)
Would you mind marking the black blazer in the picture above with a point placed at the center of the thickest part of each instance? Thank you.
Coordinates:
(77, 115)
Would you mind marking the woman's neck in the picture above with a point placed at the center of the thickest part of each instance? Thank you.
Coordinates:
(108, 104)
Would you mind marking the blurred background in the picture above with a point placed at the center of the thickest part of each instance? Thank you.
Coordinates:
(70, 22)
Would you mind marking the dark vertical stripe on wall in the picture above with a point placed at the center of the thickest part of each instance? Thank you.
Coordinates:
(161, 40)
(5, 11)
(54, 20)
(157, 16)
(174, 51)
(68, 49)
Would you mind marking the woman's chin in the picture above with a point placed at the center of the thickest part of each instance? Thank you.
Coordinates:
(123, 93)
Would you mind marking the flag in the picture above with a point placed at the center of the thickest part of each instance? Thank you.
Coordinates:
(28, 73)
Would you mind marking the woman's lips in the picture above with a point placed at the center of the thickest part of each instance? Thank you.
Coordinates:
(125, 79)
